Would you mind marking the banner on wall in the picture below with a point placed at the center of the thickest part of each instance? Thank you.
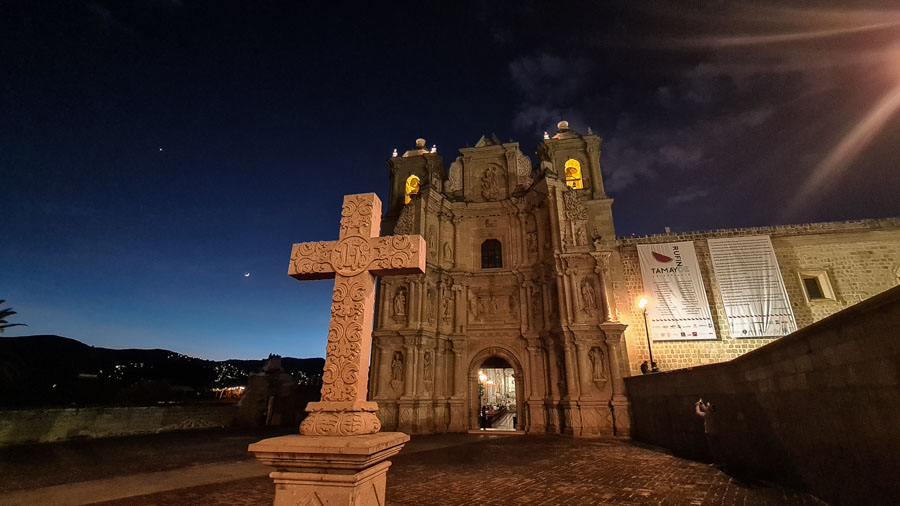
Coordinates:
(678, 308)
(756, 302)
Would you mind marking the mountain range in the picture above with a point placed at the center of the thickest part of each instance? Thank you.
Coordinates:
(50, 370)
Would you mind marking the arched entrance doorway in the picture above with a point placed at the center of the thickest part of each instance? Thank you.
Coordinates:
(496, 392)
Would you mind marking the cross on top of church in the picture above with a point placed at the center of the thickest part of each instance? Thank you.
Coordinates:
(353, 260)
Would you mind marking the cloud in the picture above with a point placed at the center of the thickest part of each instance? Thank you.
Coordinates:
(687, 195)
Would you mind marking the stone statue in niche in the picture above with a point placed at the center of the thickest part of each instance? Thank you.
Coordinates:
(429, 371)
(597, 239)
(588, 296)
(513, 304)
(397, 371)
(473, 306)
(399, 305)
(491, 184)
(429, 306)
(580, 235)
(448, 252)
(537, 307)
(531, 242)
(447, 314)
(598, 364)
(432, 242)
(454, 177)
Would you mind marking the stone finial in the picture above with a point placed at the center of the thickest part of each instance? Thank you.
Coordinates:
(420, 143)
(562, 126)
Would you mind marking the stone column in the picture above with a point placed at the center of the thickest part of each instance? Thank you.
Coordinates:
(569, 354)
(410, 365)
(459, 299)
(619, 402)
(584, 368)
(596, 181)
(375, 371)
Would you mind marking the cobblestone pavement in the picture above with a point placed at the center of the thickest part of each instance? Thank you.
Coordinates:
(499, 469)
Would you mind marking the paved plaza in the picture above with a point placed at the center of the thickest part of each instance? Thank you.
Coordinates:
(212, 468)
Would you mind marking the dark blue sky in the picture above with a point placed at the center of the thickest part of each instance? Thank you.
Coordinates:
(152, 152)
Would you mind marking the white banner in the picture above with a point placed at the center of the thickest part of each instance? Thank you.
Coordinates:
(677, 307)
(752, 289)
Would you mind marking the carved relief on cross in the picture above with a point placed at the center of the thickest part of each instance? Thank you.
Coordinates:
(353, 261)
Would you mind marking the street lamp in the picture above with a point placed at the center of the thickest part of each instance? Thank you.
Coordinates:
(643, 305)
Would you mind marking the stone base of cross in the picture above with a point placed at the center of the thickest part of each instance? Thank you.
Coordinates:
(340, 458)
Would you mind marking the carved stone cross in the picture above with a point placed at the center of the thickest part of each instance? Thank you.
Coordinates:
(353, 260)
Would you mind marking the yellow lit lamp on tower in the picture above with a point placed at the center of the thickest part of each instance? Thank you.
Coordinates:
(642, 303)
(412, 187)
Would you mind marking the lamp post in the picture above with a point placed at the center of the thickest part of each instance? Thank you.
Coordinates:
(643, 305)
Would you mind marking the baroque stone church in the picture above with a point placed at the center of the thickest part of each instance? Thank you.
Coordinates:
(528, 303)
(518, 277)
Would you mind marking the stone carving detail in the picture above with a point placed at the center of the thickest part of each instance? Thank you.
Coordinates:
(454, 178)
(537, 308)
(599, 370)
(405, 222)
(580, 235)
(340, 423)
(432, 242)
(588, 296)
(398, 308)
(447, 313)
(397, 371)
(429, 305)
(523, 169)
(353, 260)
(493, 307)
(429, 371)
(448, 252)
(492, 184)
(575, 210)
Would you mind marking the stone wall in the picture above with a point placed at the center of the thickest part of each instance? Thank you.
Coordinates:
(47, 425)
(816, 409)
(861, 259)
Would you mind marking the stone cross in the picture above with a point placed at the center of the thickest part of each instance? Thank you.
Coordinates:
(353, 261)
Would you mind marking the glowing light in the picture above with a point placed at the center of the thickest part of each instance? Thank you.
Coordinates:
(434, 148)
(642, 303)
(412, 187)
(573, 174)
(849, 147)
(481, 376)
(246, 274)
(546, 136)
(394, 154)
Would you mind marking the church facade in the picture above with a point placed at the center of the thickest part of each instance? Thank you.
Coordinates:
(525, 274)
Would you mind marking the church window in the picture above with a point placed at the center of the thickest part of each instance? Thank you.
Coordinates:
(412, 187)
(573, 174)
(816, 285)
(491, 254)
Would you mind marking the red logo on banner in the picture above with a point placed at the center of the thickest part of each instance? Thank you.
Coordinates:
(661, 258)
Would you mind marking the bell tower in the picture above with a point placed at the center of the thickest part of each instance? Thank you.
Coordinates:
(575, 159)
(417, 169)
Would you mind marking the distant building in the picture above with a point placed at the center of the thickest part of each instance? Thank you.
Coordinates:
(526, 281)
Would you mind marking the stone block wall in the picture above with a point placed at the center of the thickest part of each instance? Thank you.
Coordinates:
(48, 425)
(816, 409)
(861, 259)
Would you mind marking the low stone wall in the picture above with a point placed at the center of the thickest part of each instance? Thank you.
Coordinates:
(818, 409)
(46, 425)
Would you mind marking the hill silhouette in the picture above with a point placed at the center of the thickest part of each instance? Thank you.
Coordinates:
(50, 370)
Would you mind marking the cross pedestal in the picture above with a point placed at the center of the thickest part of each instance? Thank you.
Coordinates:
(339, 457)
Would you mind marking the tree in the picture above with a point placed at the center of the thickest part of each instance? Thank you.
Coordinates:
(4, 314)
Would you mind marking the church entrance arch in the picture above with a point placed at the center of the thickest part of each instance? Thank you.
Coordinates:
(496, 390)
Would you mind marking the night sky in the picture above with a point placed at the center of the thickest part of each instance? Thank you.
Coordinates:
(152, 152)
